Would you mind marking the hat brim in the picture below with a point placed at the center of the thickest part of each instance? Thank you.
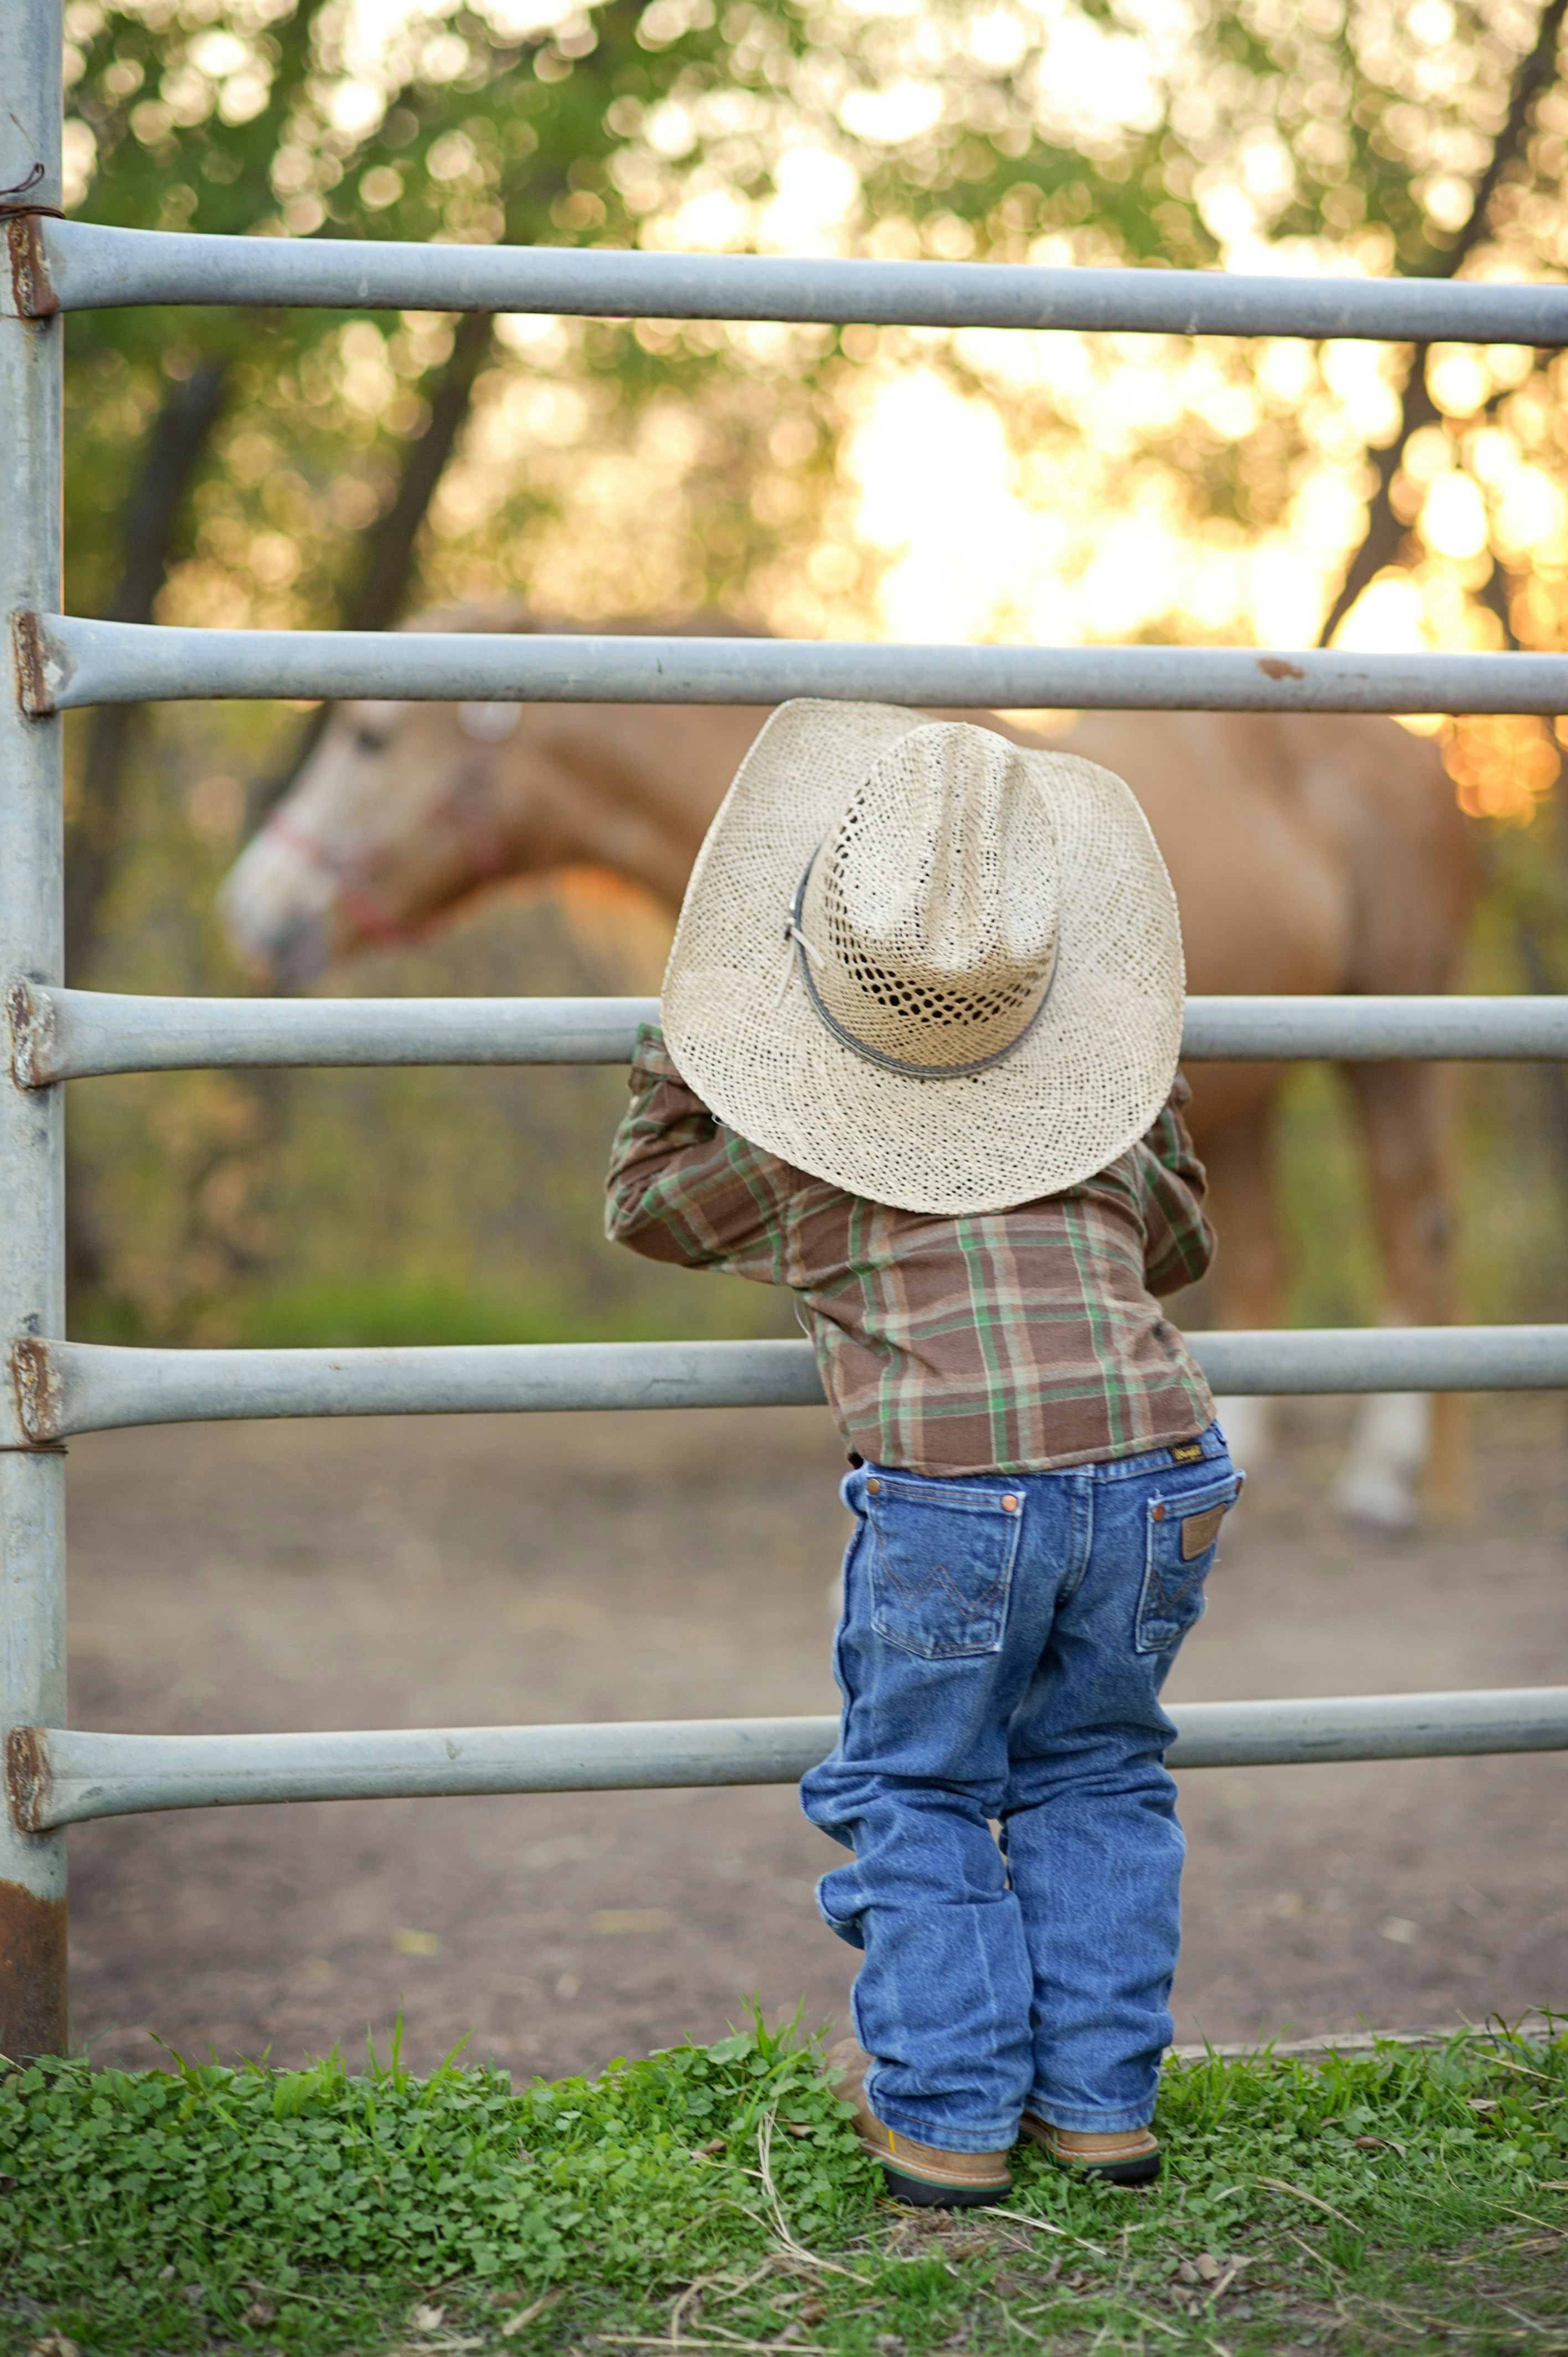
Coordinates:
(1084, 1082)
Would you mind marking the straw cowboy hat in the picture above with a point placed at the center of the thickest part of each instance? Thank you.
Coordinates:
(924, 964)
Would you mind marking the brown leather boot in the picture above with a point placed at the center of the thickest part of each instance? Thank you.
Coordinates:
(922, 2174)
(1125, 2157)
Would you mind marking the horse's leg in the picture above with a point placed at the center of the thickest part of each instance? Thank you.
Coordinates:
(1407, 1125)
(1248, 1280)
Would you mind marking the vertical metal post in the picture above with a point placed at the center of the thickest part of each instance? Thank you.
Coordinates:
(32, 1193)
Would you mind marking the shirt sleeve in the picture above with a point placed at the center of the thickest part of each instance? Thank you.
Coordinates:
(1178, 1241)
(681, 1187)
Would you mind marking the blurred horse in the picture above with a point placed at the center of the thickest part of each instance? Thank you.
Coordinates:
(1309, 852)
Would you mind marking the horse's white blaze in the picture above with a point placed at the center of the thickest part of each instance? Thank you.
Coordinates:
(273, 897)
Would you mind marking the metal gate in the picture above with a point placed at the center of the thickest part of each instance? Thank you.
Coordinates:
(56, 1775)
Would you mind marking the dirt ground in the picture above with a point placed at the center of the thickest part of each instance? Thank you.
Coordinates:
(488, 1570)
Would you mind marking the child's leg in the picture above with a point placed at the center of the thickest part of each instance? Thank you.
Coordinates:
(1093, 1847)
(943, 2000)
(942, 1626)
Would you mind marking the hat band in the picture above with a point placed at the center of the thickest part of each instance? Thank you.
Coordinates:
(875, 1055)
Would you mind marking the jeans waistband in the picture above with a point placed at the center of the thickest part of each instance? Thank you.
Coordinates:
(1210, 1444)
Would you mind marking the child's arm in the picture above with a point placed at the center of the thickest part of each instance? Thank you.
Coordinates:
(680, 1188)
(1178, 1242)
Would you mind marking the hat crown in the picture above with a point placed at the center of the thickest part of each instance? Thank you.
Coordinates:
(933, 907)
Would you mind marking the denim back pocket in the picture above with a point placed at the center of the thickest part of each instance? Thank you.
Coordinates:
(1183, 1532)
(942, 1564)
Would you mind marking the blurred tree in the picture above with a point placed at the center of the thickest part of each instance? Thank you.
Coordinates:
(173, 125)
(1535, 72)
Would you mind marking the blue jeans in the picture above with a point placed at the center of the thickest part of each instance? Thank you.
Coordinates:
(1003, 1642)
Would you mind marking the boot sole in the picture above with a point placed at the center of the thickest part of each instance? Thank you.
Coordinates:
(1140, 2171)
(922, 2195)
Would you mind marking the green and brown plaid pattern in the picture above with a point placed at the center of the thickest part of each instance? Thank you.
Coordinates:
(997, 1341)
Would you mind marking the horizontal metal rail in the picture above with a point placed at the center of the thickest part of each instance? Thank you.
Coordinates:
(1374, 1030)
(71, 1387)
(66, 661)
(82, 267)
(66, 1035)
(58, 1776)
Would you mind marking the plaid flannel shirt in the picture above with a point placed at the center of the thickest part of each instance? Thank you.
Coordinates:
(995, 1342)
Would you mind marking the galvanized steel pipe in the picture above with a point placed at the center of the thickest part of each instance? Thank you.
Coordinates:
(1358, 1030)
(32, 1198)
(68, 1034)
(62, 1035)
(69, 1387)
(91, 268)
(69, 661)
(60, 1776)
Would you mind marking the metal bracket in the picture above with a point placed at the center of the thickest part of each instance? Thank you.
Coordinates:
(33, 294)
(37, 1387)
(31, 644)
(30, 1015)
(28, 1777)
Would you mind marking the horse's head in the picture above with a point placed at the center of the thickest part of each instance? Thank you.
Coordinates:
(404, 811)
(391, 820)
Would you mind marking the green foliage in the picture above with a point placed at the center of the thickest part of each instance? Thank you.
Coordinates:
(127, 2181)
(290, 2209)
(252, 116)
(163, 156)
(222, 120)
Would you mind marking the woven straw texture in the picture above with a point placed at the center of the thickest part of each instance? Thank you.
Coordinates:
(961, 892)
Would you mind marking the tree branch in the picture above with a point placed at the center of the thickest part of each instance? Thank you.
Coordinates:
(389, 551)
(389, 567)
(1384, 534)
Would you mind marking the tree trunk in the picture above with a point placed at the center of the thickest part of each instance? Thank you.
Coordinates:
(1384, 534)
(177, 446)
(388, 567)
(179, 443)
(389, 554)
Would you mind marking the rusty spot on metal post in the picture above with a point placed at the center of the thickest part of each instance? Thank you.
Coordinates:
(34, 297)
(28, 1777)
(33, 2018)
(1276, 667)
(38, 1388)
(32, 1035)
(33, 691)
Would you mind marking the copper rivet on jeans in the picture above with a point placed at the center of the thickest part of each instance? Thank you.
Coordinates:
(872, 1488)
(1009, 1504)
(1158, 1513)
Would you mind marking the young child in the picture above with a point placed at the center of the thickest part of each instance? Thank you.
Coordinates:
(921, 1022)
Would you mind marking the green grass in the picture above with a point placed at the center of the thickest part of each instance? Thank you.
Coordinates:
(338, 1316)
(711, 2198)
(399, 1308)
